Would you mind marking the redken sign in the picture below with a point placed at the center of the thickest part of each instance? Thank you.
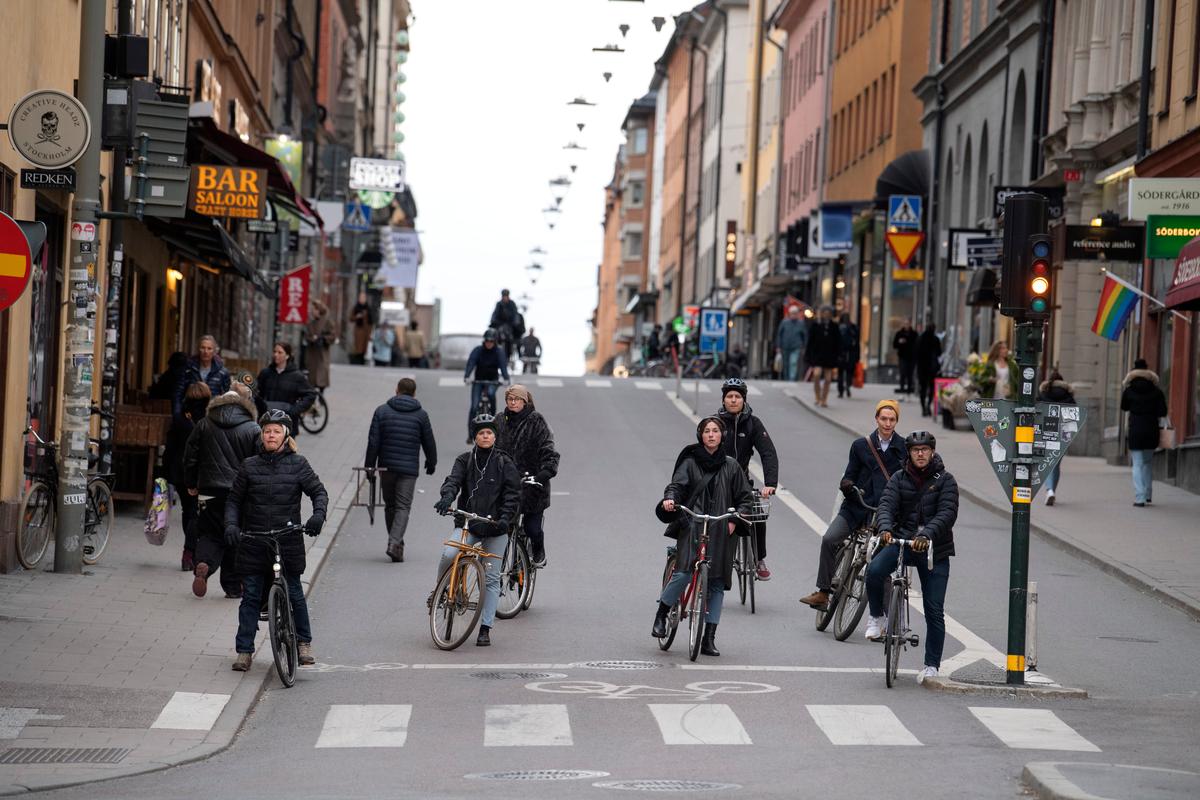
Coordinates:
(1171, 197)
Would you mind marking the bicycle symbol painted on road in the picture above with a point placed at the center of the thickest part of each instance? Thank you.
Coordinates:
(703, 690)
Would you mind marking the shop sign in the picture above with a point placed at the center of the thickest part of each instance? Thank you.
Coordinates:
(837, 229)
(958, 245)
(15, 261)
(1166, 236)
(1161, 196)
(378, 174)
(220, 191)
(1185, 285)
(293, 295)
(48, 179)
(1055, 198)
(289, 153)
(49, 129)
(1088, 243)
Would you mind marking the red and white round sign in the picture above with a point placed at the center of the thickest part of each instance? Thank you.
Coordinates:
(15, 262)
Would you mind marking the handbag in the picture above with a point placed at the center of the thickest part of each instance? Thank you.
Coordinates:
(1166, 434)
(860, 375)
(777, 364)
(158, 516)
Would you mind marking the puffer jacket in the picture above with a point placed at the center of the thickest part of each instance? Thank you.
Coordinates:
(824, 344)
(528, 440)
(909, 506)
(266, 496)
(1056, 392)
(494, 491)
(220, 442)
(745, 433)
(1145, 403)
(288, 390)
(218, 382)
(400, 429)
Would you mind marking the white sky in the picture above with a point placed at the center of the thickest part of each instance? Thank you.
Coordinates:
(487, 118)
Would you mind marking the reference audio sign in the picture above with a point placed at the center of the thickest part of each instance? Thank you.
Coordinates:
(220, 191)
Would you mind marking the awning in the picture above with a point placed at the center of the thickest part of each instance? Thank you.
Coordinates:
(239, 260)
(640, 301)
(908, 173)
(205, 239)
(1185, 286)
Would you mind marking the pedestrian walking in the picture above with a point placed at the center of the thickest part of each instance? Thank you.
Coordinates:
(204, 367)
(791, 338)
(319, 337)
(929, 360)
(414, 347)
(195, 404)
(654, 344)
(383, 344)
(1055, 390)
(1000, 373)
(821, 353)
(400, 430)
(1147, 405)
(531, 353)
(360, 318)
(283, 386)
(850, 350)
(905, 345)
(525, 435)
(224, 438)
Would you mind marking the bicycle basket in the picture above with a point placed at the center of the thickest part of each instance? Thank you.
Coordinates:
(759, 511)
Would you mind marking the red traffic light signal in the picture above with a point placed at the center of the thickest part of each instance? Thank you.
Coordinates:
(1038, 275)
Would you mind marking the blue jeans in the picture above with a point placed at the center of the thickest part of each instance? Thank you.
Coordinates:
(933, 594)
(1053, 479)
(477, 390)
(716, 594)
(791, 365)
(1143, 475)
(491, 568)
(252, 591)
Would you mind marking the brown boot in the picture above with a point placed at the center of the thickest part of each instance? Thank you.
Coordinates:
(400, 552)
(817, 599)
(242, 662)
(393, 554)
(200, 582)
(304, 651)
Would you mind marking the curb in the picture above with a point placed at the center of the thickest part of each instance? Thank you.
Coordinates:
(229, 723)
(1047, 782)
(1027, 690)
(1130, 575)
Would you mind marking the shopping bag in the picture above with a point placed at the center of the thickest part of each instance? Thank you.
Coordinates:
(158, 516)
(777, 365)
(860, 375)
(1166, 434)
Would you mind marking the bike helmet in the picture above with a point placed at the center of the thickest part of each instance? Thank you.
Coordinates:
(489, 335)
(735, 385)
(276, 416)
(483, 421)
(921, 439)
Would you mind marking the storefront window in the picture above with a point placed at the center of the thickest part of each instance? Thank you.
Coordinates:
(1195, 371)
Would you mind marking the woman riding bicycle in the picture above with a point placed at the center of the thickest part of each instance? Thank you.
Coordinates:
(708, 482)
(525, 435)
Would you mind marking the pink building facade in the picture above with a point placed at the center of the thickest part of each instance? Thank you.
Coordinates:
(803, 106)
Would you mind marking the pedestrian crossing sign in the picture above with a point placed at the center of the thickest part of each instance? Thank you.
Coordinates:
(357, 218)
(904, 212)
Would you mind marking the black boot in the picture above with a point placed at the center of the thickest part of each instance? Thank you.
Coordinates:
(660, 621)
(484, 639)
(708, 645)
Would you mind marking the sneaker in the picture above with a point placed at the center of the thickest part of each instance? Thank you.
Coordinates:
(304, 651)
(818, 600)
(200, 582)
(763, 573)
(484, 638)
(875, 628)
(539, 557)
(242, 662)
(1049, 497)
(927, 672)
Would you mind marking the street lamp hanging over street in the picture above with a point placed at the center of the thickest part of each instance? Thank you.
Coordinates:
(579, 101)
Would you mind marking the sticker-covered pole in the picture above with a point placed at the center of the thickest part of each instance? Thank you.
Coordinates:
(1029, 345)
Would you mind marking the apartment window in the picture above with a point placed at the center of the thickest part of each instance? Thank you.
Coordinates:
(636, 197)
(1195, 82)
(888, 91)
(8, 180)
(631, 245)
(637, 141)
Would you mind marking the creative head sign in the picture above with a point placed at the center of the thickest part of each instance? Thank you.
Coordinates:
(220, 191)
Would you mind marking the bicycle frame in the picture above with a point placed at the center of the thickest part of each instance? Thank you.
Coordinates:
(702, 552)
(464, 549)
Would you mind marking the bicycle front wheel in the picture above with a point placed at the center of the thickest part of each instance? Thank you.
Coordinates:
(317, 417)
(895, 632)
(741, 568)
(697, 608)
(530, 585)
(282, 629)
(35, 525)
(852, 604)
(841, 577)
(514, 576)
(98, 521)
(751, 567)
(664, 643)
(457, 604)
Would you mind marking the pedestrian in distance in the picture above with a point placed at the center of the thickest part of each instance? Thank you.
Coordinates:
(360, 319)
(822, 353)
(920, 502)
(708, 482)
(488, 362)
(484, 481)
(400, 431)
(265, 496)
(905, 345)
(414, 347)
(224, 438)
(283, 386)
(384, 345)
(195, 403)
(205, 367)
(744, 434)
(1055, 390)
(525, 435)
(1000, 373)
(531, 353)
(929, 360)
(791, 338)
(319, 337)
(654, 344)
(1147, 405)
(873, 460)
(849, 351)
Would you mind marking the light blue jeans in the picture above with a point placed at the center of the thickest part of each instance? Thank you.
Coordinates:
(791, 365)
(491, 566)
(716, 594)
(1053, 477)
(1143, 475)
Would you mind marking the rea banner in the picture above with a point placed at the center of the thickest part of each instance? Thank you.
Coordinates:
(293, 295)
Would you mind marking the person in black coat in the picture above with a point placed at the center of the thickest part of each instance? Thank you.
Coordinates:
(283, 386)
(1146, 405)
(224, 438)
(484, 480)
(1055, 390)
(745, 433)
(822, 352)
(400, 430)
(195, 404)
(488, 361)
(848, 354)
(905, 344)
(708, 482)
(266, 496)
(920, 503)
(929, 360)
(523, 433)
(873, 460)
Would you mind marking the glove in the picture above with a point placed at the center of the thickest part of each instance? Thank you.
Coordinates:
(920, 544)
(232, 536)
(543, 478)
(503, 525)
(430, 467)
(370, 473)
(847, 487)
(443, 505)
(313, 526)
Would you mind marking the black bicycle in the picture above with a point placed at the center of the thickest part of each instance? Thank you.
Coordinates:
(848, 595)
(745, 556)
(518, 570)
(281, 622)
(898, 635)
(316, 417)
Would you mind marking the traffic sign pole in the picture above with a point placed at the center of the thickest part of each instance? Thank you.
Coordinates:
(1029, 346)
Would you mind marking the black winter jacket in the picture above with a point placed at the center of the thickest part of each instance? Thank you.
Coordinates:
(1145, 403)
(905, 344)
(1056, 392)
(931, 509)
(266, 496)
(745, 433)
(851, 343)
(218, 382)
(400, 429)
(526, 437)
(288, 390)
(929, 354)
(487, 364)
(220, 442)
(824, 344)
(863, 471)
(495, 492)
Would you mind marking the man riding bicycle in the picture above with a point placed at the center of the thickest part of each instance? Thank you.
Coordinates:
(745, 433)
(920, 502)
(531, 352)
(488, 361)
(507, 321)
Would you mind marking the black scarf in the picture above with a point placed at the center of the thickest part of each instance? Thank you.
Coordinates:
(708, 462)
(919, 476)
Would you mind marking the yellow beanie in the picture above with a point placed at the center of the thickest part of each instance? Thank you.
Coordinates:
(892, 404)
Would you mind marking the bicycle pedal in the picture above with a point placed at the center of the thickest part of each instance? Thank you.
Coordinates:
(914, 640)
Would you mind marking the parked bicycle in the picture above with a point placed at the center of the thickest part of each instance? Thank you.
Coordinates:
(39, 507)
(316, 417)
(898, 635)
(848, 596)
(281, 623)
(745, 557)
(457, 601)
(518, 572)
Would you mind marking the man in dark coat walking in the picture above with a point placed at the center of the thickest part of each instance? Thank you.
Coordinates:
(1146, 405)
(905, 344)
(848, 354)
(824, 346)
(929, 359)
(523, 433)
(400, 430)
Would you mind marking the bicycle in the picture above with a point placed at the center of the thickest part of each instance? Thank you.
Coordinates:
(518, 572)
(39, 507)
(459, 591)
(848, 595)
(530, 365)
(898, 635)
(487, 400)
(745, 557)
(316, 417)
(281, 623)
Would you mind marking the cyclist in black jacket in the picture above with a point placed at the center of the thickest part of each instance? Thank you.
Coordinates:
(488, 361)
(744, 434)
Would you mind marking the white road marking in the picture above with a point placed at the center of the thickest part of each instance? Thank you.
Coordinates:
(191, 711)
(1032, 729)
(647, 384)
(527, 726)
(869, 725)
(698, 723)
(598, 383)
(549, 382)
(792, 668)
(444, 381)
(365, 726)
(755, 391)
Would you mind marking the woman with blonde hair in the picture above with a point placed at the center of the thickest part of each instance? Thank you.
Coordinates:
(1000, 373)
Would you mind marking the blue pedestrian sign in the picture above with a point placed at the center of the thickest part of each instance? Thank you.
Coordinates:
(714, 330)
(904, 212)
(357, 218)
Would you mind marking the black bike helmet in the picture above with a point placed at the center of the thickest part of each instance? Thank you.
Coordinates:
(489, 335)
(276, 416)
(735, 385)
(921, 439)
(483, 421)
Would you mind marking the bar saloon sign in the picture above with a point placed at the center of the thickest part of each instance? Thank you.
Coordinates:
(220, 191)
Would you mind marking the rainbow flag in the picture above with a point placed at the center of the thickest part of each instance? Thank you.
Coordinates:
(1117, 301)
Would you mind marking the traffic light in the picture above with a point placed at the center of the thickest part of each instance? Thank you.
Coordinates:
(1024, 233)
(1038, 277)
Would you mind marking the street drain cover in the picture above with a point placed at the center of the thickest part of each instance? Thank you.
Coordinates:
(517, 676)
(64, 755)
(539, 775)
(620, 665)
(666, 786)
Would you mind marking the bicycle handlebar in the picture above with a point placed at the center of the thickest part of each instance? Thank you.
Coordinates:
(858, 495)
(469, 515)
(484, 383)
(530, 480)
(273, 534)
(909, 542)
(709, 517)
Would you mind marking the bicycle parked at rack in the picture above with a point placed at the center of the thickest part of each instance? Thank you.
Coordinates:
(745, 556)
(848, 595)
(457, 600)
(281, 622)
(518, 572)
(898, 635)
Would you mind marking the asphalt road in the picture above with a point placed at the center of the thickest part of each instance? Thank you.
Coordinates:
(784, 712)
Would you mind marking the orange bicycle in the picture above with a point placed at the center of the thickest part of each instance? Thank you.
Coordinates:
(457, 601)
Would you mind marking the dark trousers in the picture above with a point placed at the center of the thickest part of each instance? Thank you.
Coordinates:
(925, 383)
(210, 544)
(534, 530)
(933, 594)
(253, 590)
(846, 377)
(907, 367)
(839, 529)
(397, 502)
(477, 390)
(188, 507)
(358, 358)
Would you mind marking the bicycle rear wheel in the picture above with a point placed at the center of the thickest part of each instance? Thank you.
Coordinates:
(852, 604)
(317, 417)
(98, 521)
(530, 584)
(697, 609)
(514, 576)
(740, 569)
(36, 524)
(841, 571)
(451, 620)
(282, 628)
(895, 632)
(664, 643)
(751, 567)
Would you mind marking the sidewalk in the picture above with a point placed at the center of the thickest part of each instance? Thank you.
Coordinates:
(122, 666)
(1156, 548)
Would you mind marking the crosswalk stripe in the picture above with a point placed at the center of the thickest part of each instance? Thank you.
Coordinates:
(699, 723)
(648, 385)
(552, 382)
(444, 381)
(527, 726)
(598, 383)
(871, 725)
(365, 726)
(191, 711)
(1032, 729)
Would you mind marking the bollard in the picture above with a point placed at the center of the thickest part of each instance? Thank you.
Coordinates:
(1031, 658)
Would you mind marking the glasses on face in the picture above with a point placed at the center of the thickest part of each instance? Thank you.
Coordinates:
(920, 451)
